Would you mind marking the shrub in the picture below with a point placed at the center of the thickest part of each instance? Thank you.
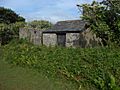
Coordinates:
(40, 24)
(9, 31)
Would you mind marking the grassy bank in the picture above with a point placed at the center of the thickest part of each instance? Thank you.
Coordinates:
(19, 78)
(84, 69)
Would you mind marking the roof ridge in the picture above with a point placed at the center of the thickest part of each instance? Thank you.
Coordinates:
(70, 20)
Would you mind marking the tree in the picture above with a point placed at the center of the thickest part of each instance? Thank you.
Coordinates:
(8, 16)
(104, 18)
(40, 24)
(10, 22)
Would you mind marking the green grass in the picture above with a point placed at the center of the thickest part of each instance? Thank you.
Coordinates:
(18, 78)
(77, 68)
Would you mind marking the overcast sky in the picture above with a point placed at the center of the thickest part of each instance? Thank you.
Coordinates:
(52, 10)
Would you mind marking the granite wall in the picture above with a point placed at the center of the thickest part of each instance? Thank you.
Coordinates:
(72, 39)
(89, 39)
(84, 39)
(33, 36)
(49, 39)
(24, 33)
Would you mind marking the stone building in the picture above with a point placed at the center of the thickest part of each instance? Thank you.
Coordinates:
(32, 35)
(71, 33)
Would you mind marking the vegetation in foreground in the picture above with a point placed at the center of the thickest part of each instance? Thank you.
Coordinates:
(19, 78)
(85, 69)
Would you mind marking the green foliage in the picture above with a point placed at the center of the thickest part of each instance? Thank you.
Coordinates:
(108, 83)
(89, 69)
(10, 22)
(104, 18)
(8, 16)
(9, 31)
(41, 24)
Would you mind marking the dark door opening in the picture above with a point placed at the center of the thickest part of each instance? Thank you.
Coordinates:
(61, 39)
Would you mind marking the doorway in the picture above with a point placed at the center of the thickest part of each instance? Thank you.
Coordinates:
(61, 39)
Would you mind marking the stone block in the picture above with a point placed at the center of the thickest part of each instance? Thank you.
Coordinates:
(49, 39)
(72, 39)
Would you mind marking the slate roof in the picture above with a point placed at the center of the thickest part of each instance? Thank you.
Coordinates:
(68, 26)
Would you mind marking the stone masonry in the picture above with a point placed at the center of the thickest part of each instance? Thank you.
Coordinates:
(72, 39)
(49, 39)
(34, 36)
(65, 33)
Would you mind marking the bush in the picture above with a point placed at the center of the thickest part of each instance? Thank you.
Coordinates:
(41, 24)
(9, 31)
